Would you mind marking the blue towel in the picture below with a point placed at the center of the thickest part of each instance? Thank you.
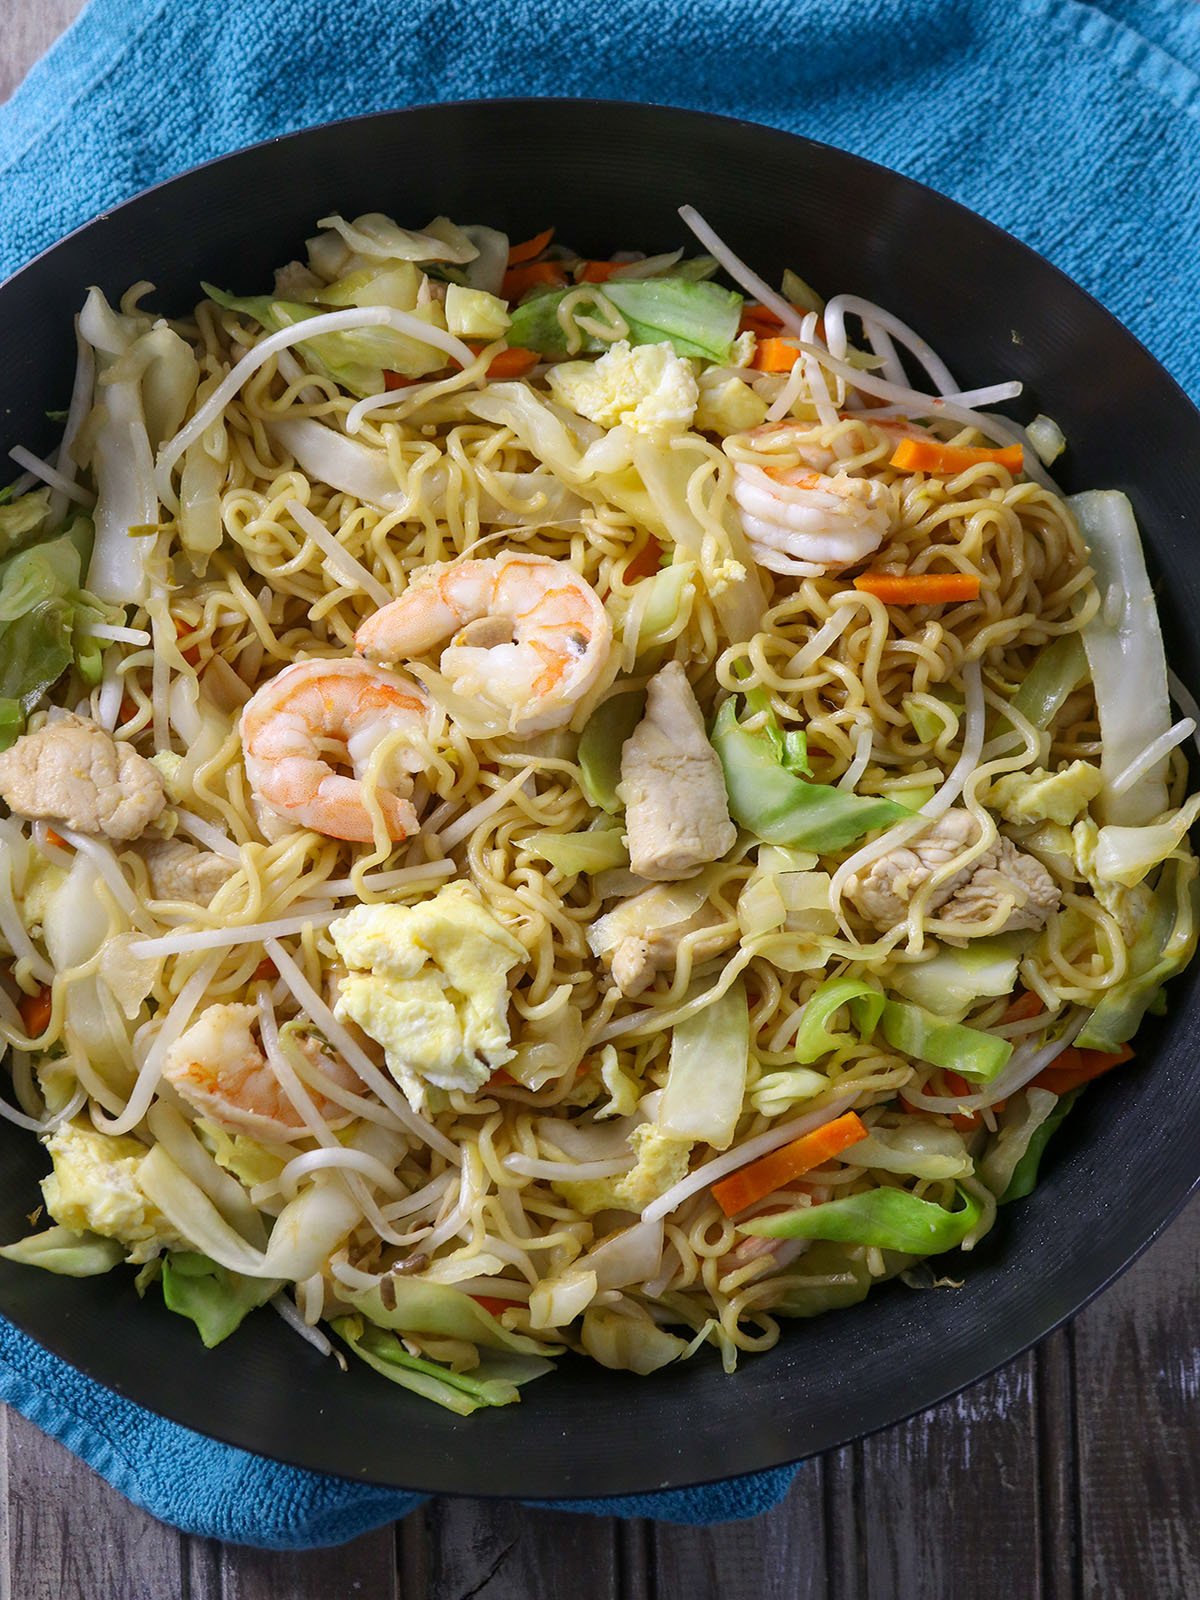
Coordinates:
(1074, 126)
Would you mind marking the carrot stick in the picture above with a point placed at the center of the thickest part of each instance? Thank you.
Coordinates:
(512, 363)
(493, 1303)
(597, 271)
(919, 589)
(192, 654)
(35, 1012)
(647, 561)
(775, 355)
(1026, 1006)
(930, 455)
(518, 280)
(57, 838)
(1075, 1067)
(530, 249)
(396, 380)
(759, 319)
(772, 1171)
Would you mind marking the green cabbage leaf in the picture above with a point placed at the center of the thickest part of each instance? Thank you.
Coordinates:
(889, 1219)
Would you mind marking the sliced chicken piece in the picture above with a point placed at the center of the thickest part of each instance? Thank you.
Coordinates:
(179, 871)
(676, 811)
(1005, 875)
(971, 895)
(73, 772)
(641, 937)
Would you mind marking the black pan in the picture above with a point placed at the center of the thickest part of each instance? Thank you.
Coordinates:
(611, 176)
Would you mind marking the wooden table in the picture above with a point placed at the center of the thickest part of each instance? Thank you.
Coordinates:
(1074, 1472)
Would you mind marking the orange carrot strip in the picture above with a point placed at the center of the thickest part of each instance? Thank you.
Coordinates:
(511, 363)
(1023, 1008)
(1075, 1067)
(965, 1121)
(517, 280)
(265, 971)
(647, 561)
(57, 838)
(759, 319)
(35, 1012)
(493, 1303)
(775, 355)
(772, 1171)
(597, 271)
(396, 380)
(530, 249)
(930, 455)
(192, 654)
(919, 589)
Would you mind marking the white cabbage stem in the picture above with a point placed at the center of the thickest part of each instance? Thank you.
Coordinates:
(298, 333)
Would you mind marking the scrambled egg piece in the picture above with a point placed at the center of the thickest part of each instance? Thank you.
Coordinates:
(647, 387)
(1131, 907)
(250, 1162)
(429, 982)
(94, 1188)
(42, 883)
(1041, 796)
(661, 1163)
(729, 407)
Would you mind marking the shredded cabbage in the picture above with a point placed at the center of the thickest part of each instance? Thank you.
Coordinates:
(706, 1079)
(1019, 1122)
(378, 238)
(815, 1038)
(953, 980)
(356, 358)
(918, 1146)
(488, 1384)
(409, 1305)
(67, 1253)
(1025, 1173)
(590, 852)
(216, 1300)
(628, 1341)
(21, 517)
(775, 805)
(600, 744)
(696, 318)
(1125, 855)
(1125, 653)
(1164, 944)
(43, 617)
(889, 1219)
(950, 1045)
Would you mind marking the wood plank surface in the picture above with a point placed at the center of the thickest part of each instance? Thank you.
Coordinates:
(27, 30)
(1073, 1474)
(1137, 1384)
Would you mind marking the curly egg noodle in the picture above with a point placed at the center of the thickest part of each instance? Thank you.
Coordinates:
(453, 1231)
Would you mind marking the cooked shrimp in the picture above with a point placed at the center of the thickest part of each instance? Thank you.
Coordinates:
(287, 722)
(803, 521)
(529, 637)
(219, 1067)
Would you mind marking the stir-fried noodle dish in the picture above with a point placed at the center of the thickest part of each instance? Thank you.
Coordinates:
(552, 804)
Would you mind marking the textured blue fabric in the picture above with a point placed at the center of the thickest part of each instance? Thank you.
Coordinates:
(1074, 126)
(213, 1489)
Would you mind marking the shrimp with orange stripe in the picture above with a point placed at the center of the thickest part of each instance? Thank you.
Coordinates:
(290, 724)
(529, 638)
(802, 515)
